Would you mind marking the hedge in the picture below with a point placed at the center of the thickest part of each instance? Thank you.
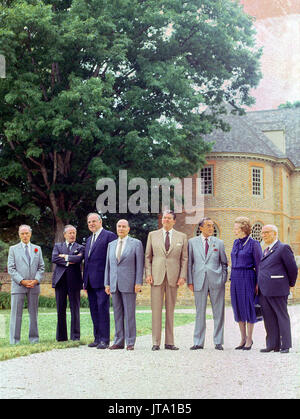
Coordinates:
(49, 302)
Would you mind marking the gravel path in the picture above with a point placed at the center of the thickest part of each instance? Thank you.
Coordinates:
(90, 373)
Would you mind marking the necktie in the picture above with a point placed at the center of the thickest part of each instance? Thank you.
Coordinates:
(206, 246)
(92, 243)
(69, 247)
(167, 241)
(27, 254)
(266, 251)
(119, 250)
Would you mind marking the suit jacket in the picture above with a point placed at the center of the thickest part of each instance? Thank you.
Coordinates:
(213, 266)
(277, 271)
(94, 265)
(19, 269)
(72, 272)
(129, 271)
(158, 262)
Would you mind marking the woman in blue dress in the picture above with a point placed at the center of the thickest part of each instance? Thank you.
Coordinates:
(245, 258)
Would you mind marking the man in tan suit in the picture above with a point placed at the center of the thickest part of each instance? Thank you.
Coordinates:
(166, 268)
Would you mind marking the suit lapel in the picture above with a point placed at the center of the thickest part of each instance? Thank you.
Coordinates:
(160, 237)
(22, 253)
(274, 248)
(212, 243)
(98, 240)
(127, 249)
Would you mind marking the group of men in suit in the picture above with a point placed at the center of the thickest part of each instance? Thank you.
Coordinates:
(114, 265)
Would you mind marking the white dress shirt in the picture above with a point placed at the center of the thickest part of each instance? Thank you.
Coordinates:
(123, 245)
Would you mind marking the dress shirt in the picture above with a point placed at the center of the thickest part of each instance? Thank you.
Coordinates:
(124, 240)
(272, 244)
(29, 248)
(170, 235)
(204, 238)
(67, 256)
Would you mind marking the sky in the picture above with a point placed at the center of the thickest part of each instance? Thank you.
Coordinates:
(278, 31)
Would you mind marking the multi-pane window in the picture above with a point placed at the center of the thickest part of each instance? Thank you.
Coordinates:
(206, 175)
(256, 231)
(257, 181)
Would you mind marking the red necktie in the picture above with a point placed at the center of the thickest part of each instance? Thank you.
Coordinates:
(206, 246)
(167, 241)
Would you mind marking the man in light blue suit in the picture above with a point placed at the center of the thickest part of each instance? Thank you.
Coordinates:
(123, 280)
(25, 266)
(207, 274)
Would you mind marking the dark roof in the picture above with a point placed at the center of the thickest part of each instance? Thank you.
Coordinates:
(246, 134)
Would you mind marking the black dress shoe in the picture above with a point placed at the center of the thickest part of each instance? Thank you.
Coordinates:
(241, 346)
(284, 351)
(130, 348)
(155, 348)
(102, 345)
(195, 347)
(247, 348)
(219, 347)
(171, 347)
(93, 344)
(269, 350)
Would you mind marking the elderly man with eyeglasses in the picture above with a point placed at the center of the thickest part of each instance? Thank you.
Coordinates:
(277, 273)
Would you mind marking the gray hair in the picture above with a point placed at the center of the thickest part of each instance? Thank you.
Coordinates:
(272, 227)
(25, 226)
(69, 226)
(94, 213)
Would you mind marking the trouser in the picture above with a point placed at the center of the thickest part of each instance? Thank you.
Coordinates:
(17, 303)
(61, 293)
(124, 315)
(158, 292)
(277, 322)
(217, 298)
(99, 308)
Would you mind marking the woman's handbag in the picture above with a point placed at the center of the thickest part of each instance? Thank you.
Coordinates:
(258, 309)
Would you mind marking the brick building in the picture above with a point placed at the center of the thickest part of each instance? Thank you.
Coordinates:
(254, 171)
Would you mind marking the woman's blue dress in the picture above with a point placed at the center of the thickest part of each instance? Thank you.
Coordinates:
(245, 258)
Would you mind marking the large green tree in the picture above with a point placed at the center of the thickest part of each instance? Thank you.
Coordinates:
(96, 86)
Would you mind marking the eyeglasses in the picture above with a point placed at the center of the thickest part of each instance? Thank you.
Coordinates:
(267, 232)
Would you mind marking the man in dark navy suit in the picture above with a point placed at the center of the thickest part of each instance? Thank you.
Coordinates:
(276, 274)
(93, 278)
(67, 281)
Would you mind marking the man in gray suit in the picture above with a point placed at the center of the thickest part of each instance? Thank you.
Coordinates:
(123, 279)
(25, 266)
(207, 274)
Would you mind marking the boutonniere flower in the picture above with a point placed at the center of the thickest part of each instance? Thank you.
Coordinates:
(36, 250)
(215, 250)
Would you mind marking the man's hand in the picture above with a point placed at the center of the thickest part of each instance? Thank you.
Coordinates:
(29, 283)
(137, 288)
(107, 289)
(191, 287)
(181, 281)
(149, 279)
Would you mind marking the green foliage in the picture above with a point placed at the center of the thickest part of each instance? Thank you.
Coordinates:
(47, 302)
(96, 86)
(3, 255)
(290, 105)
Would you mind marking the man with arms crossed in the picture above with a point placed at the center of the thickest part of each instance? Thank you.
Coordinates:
(124, 270)
(276, 274)
(207, 274)
(93, 278)
(67, 281)
(26, 267)
(166, 269)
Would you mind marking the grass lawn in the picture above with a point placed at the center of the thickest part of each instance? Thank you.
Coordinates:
(47, 330)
